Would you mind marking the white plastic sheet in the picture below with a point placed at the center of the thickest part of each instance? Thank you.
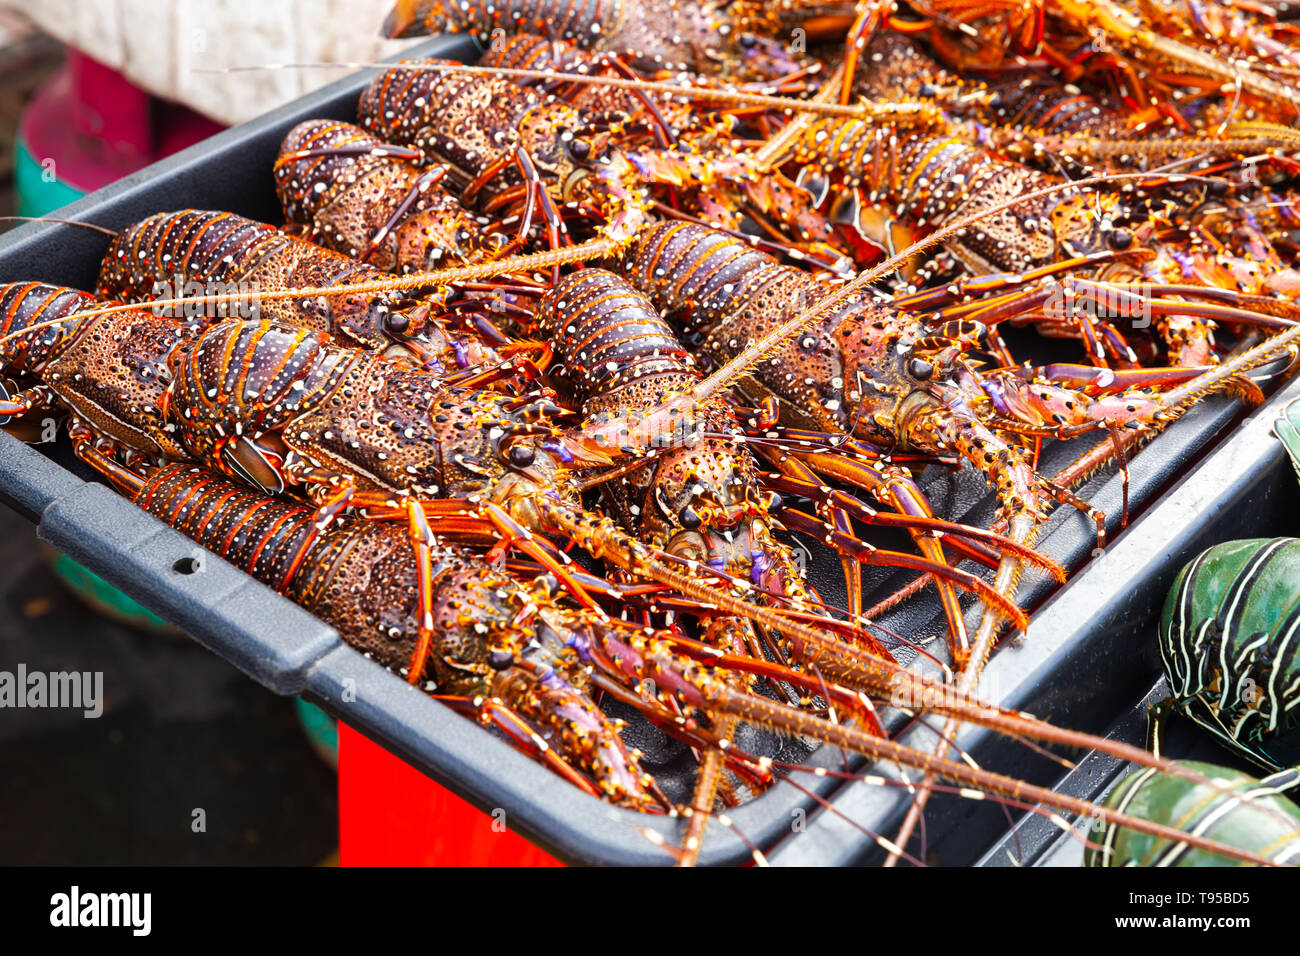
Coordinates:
(159, 44)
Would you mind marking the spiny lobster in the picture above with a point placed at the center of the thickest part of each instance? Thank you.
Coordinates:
(635, 654)
(222, 250)
(500, 647)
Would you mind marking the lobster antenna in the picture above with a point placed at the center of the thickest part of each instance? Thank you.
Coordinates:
(1273, 133)
(755, 353)
(595, 248)
(1244, 142)
(790, 720)
(1221, 375)
(784, 771)
(744, 763)
(64, 222)
(926, 112)
(975, 782)
(884, 677)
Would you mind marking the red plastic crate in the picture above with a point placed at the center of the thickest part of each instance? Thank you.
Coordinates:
(390, 814)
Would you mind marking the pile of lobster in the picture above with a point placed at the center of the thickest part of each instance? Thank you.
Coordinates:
(560, 358)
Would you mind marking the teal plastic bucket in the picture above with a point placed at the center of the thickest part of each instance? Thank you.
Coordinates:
(39, 191)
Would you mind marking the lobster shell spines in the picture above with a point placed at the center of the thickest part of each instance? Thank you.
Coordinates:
(111, 370)
(611, 337)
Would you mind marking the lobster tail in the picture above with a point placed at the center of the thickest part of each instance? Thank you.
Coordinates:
(193, 253)
(39, 321)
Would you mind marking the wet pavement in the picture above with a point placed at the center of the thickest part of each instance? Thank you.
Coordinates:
(190, 762)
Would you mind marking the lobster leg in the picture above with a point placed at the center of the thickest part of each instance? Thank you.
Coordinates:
(852, 570)
(870, 15)
(1091, 306)
(840, 501)
(538, 194)
(24, 402)
(523, 539)
(868, 554)
(901, 498)
(422, 542)
(490, 711)
(422, 185)
(727, 633)
(490, 523)
(122, 478)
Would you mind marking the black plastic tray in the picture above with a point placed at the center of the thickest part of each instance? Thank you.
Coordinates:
(1089, 658)
(1086, 659)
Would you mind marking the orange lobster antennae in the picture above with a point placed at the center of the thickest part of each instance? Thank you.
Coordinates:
(1127, 29)
(595, 248)
(922, 112)
(651, 657)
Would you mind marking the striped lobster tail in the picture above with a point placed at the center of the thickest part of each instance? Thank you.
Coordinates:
(1287, 429)
(1251, 814)
(222, 253)
(267, 537)
(24, 308)
(611, 338)
(1230, 641)
(190, 245)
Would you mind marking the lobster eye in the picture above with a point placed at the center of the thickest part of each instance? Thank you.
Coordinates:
(920, 369)
(1119, 239)
(689, 518)
(748, 41)
(579, 148)
(397, 322)
(499, 660)
(521, 456)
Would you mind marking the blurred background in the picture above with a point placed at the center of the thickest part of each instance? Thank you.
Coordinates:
(91, 91)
